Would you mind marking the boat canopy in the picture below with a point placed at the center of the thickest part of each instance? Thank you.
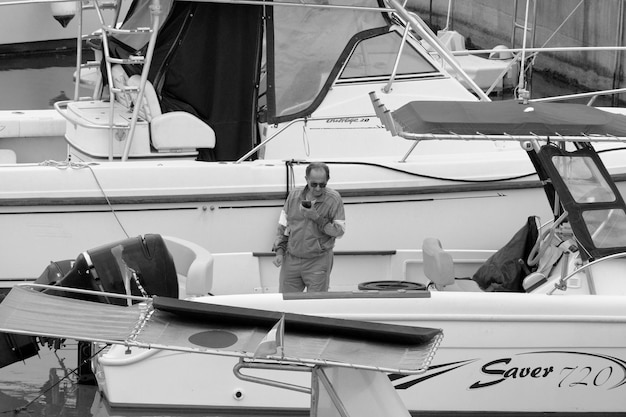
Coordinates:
(507, 118)
(234, 64)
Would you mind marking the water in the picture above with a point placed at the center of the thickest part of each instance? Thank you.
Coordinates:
(36, 82)
(47, 386)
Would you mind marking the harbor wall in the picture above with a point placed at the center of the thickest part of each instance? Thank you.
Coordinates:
(487, 23)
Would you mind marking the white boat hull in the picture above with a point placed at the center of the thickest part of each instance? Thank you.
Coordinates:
(49, 225)
(537, 354)
(55, 212)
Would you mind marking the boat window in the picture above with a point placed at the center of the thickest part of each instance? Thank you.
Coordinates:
(583, 179)
(307, 43)
(606, 227)
(375, 57)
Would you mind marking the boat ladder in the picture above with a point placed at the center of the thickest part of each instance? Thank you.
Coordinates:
(136, 59)
(120, 126)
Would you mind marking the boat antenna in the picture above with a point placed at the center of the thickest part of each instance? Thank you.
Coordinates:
(521, 87)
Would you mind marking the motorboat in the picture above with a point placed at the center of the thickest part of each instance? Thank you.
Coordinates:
(505, 342)
(194, 158)
(345, 360)
(537, 327)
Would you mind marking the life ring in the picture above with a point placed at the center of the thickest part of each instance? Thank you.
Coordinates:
(391, 286)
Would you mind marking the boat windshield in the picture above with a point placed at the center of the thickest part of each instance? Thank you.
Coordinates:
(306, 46)
(595, 208)
(606, 227)
(585, 182)
(583, 179)
(375, 57)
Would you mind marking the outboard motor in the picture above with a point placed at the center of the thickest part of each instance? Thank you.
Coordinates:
(139, 266)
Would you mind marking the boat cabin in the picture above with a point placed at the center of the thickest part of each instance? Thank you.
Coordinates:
(227, 82)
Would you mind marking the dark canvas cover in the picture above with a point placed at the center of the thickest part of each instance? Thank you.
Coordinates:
(511, 117)
(506, 269)
(207, 63)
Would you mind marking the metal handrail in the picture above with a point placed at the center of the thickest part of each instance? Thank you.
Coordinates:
(561, 285)
(418, 25)
(592, 94)
(155, 11)
(387, 87)
(61, 108)
(274, 367)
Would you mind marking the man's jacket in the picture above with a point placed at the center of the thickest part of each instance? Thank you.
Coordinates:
(306, 238)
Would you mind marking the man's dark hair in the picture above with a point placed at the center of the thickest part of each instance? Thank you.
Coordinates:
(318, 165)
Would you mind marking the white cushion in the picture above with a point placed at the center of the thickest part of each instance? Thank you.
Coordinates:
(8, 156)
(438, 264)
(176, 131)
(179, 132)
(151, 107)
(194, 266)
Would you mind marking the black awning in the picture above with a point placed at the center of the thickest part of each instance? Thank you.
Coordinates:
(507, 117)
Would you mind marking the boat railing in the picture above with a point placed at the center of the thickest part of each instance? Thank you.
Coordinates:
(593, 94)
(421, 28)
(97, 5)
(155, 11)
(61, 108)
(387, 87)
(561, 285)
(246, 364)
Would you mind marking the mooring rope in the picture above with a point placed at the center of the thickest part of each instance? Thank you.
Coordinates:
(63, 165)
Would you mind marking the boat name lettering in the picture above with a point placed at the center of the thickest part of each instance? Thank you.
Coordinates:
(494, 368)
(348, 120)
(584, 376)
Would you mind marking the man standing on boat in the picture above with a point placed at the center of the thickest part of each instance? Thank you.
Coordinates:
(311, 219)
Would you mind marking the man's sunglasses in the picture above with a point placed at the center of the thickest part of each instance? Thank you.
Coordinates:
(317, 184)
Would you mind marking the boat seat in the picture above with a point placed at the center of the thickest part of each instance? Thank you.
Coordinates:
(194, 266)
(439, 268)
(8, 156)
(176, 131)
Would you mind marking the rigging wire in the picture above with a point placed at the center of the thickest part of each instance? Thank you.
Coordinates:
(290, 174)
(433, 177)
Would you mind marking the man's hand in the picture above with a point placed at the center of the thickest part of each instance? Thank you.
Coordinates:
(310, 213)
(278, 260)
